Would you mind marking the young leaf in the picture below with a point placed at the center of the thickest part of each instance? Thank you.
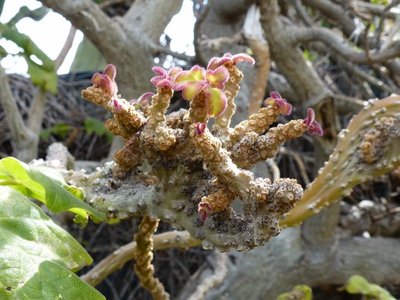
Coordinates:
(32, 182)
(59, 129)
(299, 292)
(42, 72)
(28, 237)
(97, 127)
(45, 79)
(359, 285)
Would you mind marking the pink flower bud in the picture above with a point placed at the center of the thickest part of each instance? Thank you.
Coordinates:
(109, 86)
(228, 58)
(117, 106)
(111, 71)
(204, 209)
(200, 128)
(106, 80)
(145, 98)
(313, 126)
(165, 78)
(285, 107)
(96, 79)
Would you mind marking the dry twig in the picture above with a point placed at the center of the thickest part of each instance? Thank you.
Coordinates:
(117, 259)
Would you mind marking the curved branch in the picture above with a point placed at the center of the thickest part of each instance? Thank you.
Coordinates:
(67, 46)
(95, 24)
(335, 13)
(289, 60)
(374, 9)
(117, 259)
(339, 45)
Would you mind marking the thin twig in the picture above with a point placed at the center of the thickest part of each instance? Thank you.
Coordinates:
(384, 14)
(276, 173)
(216, 43)
(117, 259)
(108, 3)
(38, 106)
(342, 47)
(299, 162)
(394, 30)
(302, 13)
(182, 56)
(67, 46)
(375, 9)
(353, 69)
(213, 281)
(395, 210)
(89, 17)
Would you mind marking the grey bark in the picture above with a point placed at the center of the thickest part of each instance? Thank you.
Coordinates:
(22, 136)
(289, 60)
(286, 261)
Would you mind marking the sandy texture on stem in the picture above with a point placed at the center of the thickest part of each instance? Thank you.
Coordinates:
(143, 252)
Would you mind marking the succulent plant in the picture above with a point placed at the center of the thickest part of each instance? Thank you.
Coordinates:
(174, 168)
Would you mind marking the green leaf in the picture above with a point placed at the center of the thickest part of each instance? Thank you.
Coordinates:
(42, 72)
(97, 127)
(299, 292)
(24, 12)
(381, 2)
(3, 52)
(55, 282)
(308, 55)
(60, 129)
(28, 237)
(34, 183)
(41, 77)
(359, 285)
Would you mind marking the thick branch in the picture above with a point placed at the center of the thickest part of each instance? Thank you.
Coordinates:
(288, 257)
(21, 135)
(289, 60)
(36, 112)
(304, 35)
(161, 14)
(334, 12)
(321, 238)
(253, 34)
(38, 106)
